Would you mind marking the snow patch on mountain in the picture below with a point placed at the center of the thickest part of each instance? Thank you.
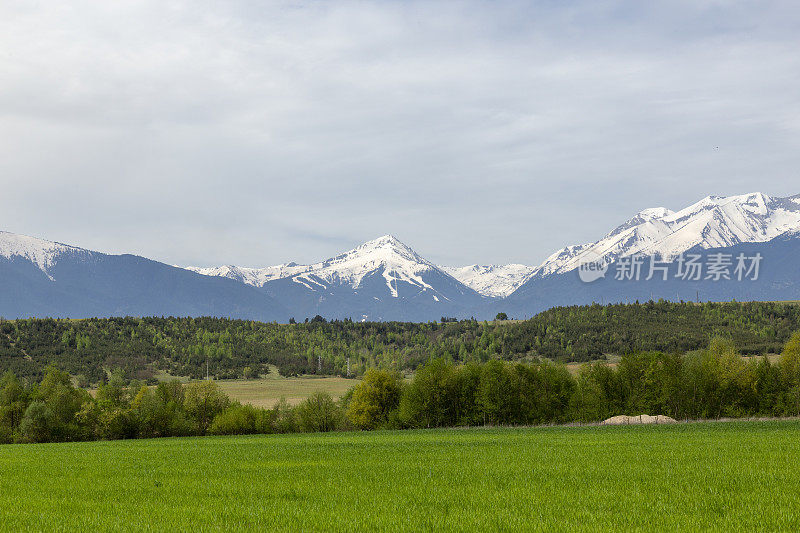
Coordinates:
(252, 276)
(496, 281)
(396, 262)
(40, 252)
(713, 222)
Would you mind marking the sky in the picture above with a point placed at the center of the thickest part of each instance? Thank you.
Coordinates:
(257, 133)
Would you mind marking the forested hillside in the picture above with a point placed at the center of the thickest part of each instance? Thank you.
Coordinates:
(141, 347)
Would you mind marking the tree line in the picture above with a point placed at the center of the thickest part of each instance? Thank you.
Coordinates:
(710, 383)
(144, 347)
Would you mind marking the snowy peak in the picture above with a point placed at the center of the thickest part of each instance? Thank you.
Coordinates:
(713, 222)
(646, 216)
(252, 276)
(395, 261)
(386, 256)
(654, 213)
(387, 242)
(754, 204)
(496, 281)
(383, 251)
(44, 254)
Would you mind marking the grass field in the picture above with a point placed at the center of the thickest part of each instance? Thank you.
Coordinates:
(267, 391)
(723, 476)
(270, 388)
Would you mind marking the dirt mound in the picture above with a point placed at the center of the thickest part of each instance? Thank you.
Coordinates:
(621, 420)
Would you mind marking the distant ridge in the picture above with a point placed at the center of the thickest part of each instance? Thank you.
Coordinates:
(49, 279)
(385, 279)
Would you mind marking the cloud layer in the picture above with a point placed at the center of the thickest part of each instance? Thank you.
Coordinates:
(257, 133)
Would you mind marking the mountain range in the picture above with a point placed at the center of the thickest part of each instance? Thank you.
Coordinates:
(384, 279)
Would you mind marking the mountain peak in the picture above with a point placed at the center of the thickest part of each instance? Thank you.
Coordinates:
(385, 241)
(40, 252)
(497, 281)
(384, 246)
(389, 238)
(394, 260)
(713, 222)
(651, 214)
(714, 201)
(654, 213)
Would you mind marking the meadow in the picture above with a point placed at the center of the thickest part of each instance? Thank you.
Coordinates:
(710, 476)
(265, 392)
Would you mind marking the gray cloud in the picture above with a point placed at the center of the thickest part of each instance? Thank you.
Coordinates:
(256, 133)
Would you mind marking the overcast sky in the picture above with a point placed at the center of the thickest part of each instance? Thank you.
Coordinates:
(256, 133)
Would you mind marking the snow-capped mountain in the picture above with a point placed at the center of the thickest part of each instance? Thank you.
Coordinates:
(778, 279)
(750, 224)
(397, 262)
(256, 277)
(496, 281)
(41, 253)
(384, 279)
(49, 279)
(713, 222)
(380, 279)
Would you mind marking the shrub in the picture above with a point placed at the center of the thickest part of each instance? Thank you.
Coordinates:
(498, 394)
(430, 398)
(240, 419)
(283, 416)
(158, 415)
(203, 402)
(37, 423)
(319, 413)
(375, 399)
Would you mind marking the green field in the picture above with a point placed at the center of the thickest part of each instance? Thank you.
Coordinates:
(720, 476)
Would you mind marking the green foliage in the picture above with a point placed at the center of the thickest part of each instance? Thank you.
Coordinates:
(203, 402)
(240, 419)
(160, 412)
(319, 413)
(790, 361)
(14, 401)
(497, 396)
(790, 371)
(284, 417)
(429, 400)
(375, 399)
(38, 424)
(137, 348)
(545, 393)
(599, 393)
(59, 402)
(711, 383)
